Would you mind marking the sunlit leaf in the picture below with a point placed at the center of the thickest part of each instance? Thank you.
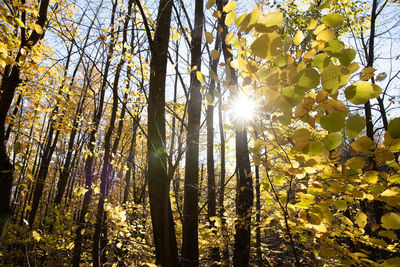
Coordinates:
(360, 92)
(230, 18)
(307, 78)
(354, 125)
(209, 37)
(267, 45)
(332, 122)
(298, 38)
(361, 219)
(341, 204)
(356, 163)
(394, 128)
(362, 144)
(391, 220)
(332, 141)
(326, 35)
(210, 3)
(333, 20)
(200, 76)
(229, 6)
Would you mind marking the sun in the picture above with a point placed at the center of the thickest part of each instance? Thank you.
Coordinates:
(243, 108)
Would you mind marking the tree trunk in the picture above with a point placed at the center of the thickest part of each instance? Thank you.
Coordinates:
(244, 201)
(163, 229)
(190, 245)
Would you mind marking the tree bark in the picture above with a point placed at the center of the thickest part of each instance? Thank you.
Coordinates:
(158, 180)
(190, 245)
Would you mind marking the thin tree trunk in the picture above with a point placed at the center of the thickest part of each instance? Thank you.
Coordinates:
(190, 245)
(244, 201)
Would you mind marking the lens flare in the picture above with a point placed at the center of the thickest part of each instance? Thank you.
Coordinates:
(243, 108)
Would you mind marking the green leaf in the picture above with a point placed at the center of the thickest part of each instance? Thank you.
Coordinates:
(200, 76)
(315, 148)
(341, 204)
(391, 220)
(394, 128)
(356, 163)
(360, 92)
(267, 45)
(347, 56)
(333, 20)
(293, 94)
(213, 76)
(230, 18)
(332, 122)
(307, 78)
(354, 126)
(332, 141)
(334, 48)
(330, 78)
(320, 61)
(229, 6)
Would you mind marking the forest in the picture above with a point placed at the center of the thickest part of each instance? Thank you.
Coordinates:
(199, 133)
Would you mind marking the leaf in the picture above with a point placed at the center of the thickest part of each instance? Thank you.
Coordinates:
(341, 204)
(298, 38)
(347, 56)
(391, 220)
(209, 37)
(367, 73)
(213, 76)
(330, 78)
(301, 138)
(36, 236)
(362, 144)
(361, 219)
(214, 54)
(38, 28)
(210, 3)
(326, 35)
(312, 25)
(392, 262)
(229, 6)
(383, 155)
(320, 61)
(19, 22)
(315, 148)
(394, 128)
(200, 76)
(267, 45)
(274, 19)
(360, 92)
(307, 78)
(354, 125)
(356, 163)
(332, 122)
(333, 20)
(229, 38)
(230, 18)
(332, 141)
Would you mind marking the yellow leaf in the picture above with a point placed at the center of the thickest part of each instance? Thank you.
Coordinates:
(229, 38)
(230, 6)
(38, 28)
(326, 35)
(361, 219)
(363, 143)
(36, 236)
(341, 204)
(230, 18)
(298, 38)
(313, 24)
(391, 220)
(209, 37)
(200, 76)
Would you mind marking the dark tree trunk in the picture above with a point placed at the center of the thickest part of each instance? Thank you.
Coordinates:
(190, 245)
(244, 201)
(158, 180)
